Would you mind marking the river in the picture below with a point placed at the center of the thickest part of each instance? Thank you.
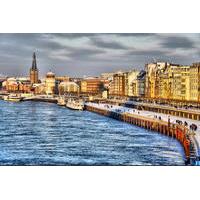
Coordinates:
(36, 133)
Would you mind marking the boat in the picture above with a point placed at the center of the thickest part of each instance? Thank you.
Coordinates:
(75, 104)
(61, 101)
(13, 98)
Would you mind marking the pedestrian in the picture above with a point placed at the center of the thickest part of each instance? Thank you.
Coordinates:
(168, 119)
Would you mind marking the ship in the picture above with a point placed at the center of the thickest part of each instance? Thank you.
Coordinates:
(13, 98)
(75, 104)
(61, 101)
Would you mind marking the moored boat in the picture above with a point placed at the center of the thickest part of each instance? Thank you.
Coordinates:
(13, 98)
(75, 104)
(61, 101)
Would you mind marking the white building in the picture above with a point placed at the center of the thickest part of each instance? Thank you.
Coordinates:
(50, 83)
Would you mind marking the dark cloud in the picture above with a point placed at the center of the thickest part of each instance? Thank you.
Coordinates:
(84, 53)
(176, 42)
(71, 35)
(98, 42)
(147, 52)
(136, 34)
(89, 35)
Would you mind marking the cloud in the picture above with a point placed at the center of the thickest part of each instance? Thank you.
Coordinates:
(147, 52)
(136, 34)
(76, 54)
(176, 42)
(98, 42)
(81, 53)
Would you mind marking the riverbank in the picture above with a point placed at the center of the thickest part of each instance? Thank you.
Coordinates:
(150, 120)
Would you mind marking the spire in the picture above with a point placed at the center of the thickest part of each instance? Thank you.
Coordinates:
(34, 64)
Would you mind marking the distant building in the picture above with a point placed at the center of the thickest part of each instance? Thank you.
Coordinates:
(39, 88)
(50, 83)
(108, 75)
(62, 78)
(195, 82)
(180, 82)
(124, 84)
(15, 85)
(68, 88)
(131, 83)
(172, 81)
(92, 86)
(34, 71)
(141, 84)
(152, 82)
(117, 86)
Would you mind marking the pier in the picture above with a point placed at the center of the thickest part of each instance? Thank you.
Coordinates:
(147, 120)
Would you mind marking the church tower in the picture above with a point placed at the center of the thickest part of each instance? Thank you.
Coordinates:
(34, 71)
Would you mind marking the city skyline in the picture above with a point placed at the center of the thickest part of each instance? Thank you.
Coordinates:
(91, 54)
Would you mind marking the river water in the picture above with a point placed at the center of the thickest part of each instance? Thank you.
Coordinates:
(36, 133)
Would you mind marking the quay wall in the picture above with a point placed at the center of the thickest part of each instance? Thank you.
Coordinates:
(41, 100)
(169, 129)
(185, 113)
(190, 114)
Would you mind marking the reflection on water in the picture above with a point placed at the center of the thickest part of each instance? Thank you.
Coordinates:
(33, 133)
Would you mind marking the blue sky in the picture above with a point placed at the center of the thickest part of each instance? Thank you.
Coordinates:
(91, 54)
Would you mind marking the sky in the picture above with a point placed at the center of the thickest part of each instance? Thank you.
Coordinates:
(90, 54)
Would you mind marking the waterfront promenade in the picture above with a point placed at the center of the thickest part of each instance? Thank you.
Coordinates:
(189, 112)
(168, 120)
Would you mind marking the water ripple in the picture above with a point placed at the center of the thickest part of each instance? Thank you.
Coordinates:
(33, 133)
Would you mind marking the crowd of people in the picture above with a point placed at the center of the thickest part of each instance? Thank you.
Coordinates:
(192, 127)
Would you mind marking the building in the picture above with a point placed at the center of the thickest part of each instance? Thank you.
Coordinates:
(50, 83)
(68, 88)
(117, 85)
(34, 71)
(195, 82)
(62, 79)
(92, 86)
(141, 84)
(179, 79)
(171, 81)
(131, 83)
(124, 84)
(153, 78)
(17, 85)
(107, 75)
(39, 88)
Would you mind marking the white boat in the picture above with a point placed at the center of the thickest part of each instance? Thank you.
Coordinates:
(13, 98)
(75, 104)
(61, 101)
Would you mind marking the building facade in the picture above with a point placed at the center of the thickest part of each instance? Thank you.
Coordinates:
(50, 83)
(68, 88)
(117, 85)
(92, 86)
(131, 83)
(195, 82)
(173, 81)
